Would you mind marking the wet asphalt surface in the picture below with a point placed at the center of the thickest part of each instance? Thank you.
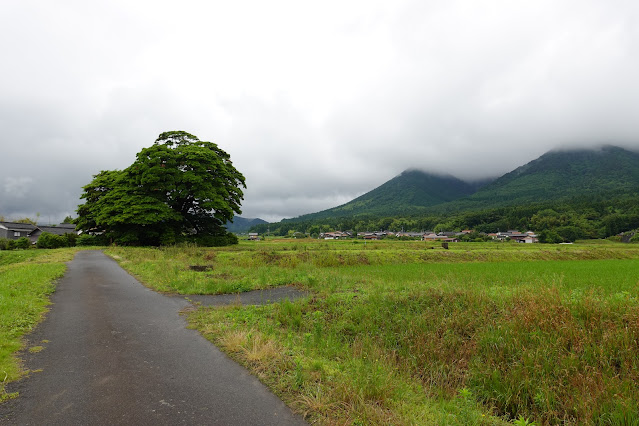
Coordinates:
(118, 353)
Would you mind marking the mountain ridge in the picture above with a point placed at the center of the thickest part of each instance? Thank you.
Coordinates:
(409, 191)
(562, 173)
(242, 224)
(558, 174)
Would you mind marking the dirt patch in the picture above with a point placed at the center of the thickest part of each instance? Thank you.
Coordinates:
(200, 268)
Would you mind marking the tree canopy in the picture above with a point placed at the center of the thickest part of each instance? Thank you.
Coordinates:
(178, 189)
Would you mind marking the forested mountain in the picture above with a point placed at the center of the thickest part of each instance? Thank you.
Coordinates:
(557, 175)
(408, 193)
(241, 224)
(566, 194)
(608, 172)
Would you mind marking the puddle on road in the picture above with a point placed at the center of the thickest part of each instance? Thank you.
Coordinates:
(256, 297)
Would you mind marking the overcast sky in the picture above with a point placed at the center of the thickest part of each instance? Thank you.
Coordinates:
(316, 102)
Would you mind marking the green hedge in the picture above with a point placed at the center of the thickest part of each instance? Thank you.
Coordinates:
(20, 243)
(51, 241)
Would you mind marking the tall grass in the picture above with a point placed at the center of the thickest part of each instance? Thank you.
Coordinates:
(26, 280)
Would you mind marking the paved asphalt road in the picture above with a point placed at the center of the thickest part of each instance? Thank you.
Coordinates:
(119, 354)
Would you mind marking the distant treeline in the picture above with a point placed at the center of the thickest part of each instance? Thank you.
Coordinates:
(567, 220)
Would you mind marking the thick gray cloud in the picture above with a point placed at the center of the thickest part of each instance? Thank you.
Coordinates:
(316, 103)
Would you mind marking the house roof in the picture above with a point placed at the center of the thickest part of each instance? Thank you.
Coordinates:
(66, 225)
(433, 236)
(13, 226)
(57, 230)
(336, 234)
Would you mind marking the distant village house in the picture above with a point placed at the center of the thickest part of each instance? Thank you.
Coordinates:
(14, 231)
(514, 235)
(335, 235)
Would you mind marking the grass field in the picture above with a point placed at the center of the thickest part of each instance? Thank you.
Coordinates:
(410, 333)
(26, 280)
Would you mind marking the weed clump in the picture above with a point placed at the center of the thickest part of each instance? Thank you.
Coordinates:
(550, 360)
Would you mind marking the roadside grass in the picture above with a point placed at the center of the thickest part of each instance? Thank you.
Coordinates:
(396, 335)
(26, 280)
(8, 257)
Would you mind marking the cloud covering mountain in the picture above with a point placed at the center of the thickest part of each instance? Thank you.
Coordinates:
(316, 103)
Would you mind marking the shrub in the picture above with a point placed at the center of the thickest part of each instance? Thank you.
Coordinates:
(91, 240)
(4, 244)
(51, 241)
(22, 243)
(167, 238)
(570, 233)
(550, 237)
(71, 238)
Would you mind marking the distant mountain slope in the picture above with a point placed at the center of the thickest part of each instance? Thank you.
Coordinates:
(408, 193)
(560, 175)
(241, 224)
(606, 172)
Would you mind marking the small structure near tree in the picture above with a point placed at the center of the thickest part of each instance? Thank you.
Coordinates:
(14, 230)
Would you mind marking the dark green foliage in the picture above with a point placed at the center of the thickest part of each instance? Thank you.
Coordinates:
(549, 236)
(71, 239)
(408, 193)
(47, 240)
(21, 243)
(570, 233)
(179, 189)
(91, 240)
(4, 244)
(608, 172)
(617, 222)
(86, 240)
(51, 241)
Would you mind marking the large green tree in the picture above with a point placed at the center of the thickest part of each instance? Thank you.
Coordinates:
(179, 189)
